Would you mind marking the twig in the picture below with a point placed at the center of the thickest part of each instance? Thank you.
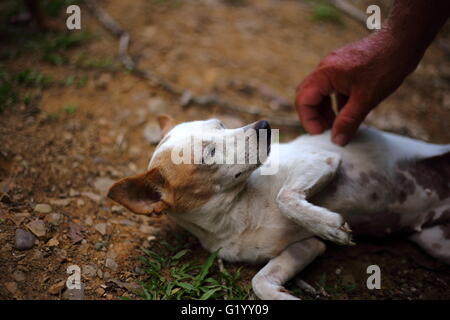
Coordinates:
(186, 97)
(350, 10)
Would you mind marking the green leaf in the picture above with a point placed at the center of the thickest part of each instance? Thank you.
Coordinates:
(209, 293)
(180, 254)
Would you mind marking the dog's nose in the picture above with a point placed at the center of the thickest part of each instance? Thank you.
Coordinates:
(262, 124)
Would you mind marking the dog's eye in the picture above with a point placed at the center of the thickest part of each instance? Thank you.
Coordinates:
(213, 152)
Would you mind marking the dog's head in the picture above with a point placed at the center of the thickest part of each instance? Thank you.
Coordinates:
(194, 162)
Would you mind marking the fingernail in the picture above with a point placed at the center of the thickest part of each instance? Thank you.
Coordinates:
(340, 139)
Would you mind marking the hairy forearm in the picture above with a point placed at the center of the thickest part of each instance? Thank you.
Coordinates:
(413, 24)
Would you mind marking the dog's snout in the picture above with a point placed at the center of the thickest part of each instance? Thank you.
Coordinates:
(263, 125)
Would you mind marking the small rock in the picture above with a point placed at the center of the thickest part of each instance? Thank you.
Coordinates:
(132, 287)
(111, 264)
(19, 217)
(54, 218)
(43, 208)
(338, 271)
(101, 228)
(99, 246)
(11, 287)
(75, 232)
(100, 291)
(88, 221)
(37, 227)
(73, 193)
(156, 105)
(53, 242)
(19, 276)
(24, 240)
(60, 202)
(148, 229)
(80, 203)
(117, 209)
(139, 271)
(100, 273)
(152, 133)
(74, 294)
(102, 81)
(89, 270)
(93, 196)
(57, 287)
(106, 275)
(103, 184)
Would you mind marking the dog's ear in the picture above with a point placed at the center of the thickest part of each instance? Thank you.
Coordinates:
(141, 193)
(166, 123)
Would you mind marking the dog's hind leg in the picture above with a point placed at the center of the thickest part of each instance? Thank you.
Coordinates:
(268, 282)
(435, 241)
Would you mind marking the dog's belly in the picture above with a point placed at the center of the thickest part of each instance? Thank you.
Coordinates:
(378, 203)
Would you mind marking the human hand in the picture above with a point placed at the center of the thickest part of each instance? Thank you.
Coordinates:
(362, 74)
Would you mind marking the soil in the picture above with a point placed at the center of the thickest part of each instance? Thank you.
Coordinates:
(50, 153)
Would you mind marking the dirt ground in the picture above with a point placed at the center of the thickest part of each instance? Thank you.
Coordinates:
(65, 145)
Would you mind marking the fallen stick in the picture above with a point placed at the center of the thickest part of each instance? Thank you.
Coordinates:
(186, 97)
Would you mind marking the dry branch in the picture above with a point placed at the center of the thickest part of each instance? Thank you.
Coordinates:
(186, 97)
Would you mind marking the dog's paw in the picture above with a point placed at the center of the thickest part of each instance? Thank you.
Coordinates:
(339, 233)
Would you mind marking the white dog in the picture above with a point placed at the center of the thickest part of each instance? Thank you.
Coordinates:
(379, 184)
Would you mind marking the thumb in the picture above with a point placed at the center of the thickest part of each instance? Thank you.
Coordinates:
(348, 121)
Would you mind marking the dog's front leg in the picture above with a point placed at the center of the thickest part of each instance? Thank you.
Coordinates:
(268, 282)
(315, 174)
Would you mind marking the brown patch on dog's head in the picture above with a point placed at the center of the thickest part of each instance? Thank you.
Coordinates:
(144, 193)
(166, 123)
(189, 186)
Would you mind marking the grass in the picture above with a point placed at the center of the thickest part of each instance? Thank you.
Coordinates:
(70, 108)
(175, 273)
(323, 12)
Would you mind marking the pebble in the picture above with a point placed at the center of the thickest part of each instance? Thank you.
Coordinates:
(148, 229)
(11, 287)
(19, 276)
(53, 218)
(73, 193)
(37, 227)
(93, 196)
(101, 228)
(53, 242)
(57, 287)
(156, 105)
(152, 133)
(111, 264)
(117, 209)
(88, 221)
(43, 208)
(60, 202)
(89, 270)
(74, 294)
(99, 246)
(338, 271)
(18, 218)
(80, 203)
(100, 291)
(24, 240)
(103, 184)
